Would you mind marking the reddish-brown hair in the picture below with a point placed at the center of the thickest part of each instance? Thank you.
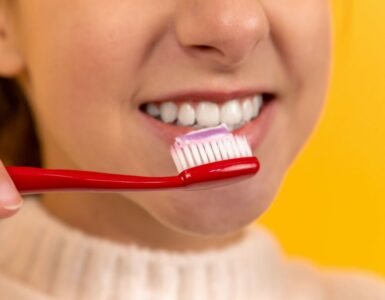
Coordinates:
(18, 138)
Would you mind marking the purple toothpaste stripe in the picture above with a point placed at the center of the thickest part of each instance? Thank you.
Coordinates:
(202, 134)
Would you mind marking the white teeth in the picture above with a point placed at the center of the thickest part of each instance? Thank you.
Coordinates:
(168, 112)
(231, 113)
(152, 110)
(257, 104)
(234, 113)
(247, 110)
(207, 114)
(186, 115)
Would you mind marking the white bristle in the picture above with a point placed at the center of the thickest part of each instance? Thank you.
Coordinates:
(240, 147)
(209, 152)
(203, 153)
(176, 160)
(222, 149)
(247, 146)
(229, 148)
(237, 153)
(195, 153)
(182, 160)
(188, 153)
(188, 156)
(217, 152)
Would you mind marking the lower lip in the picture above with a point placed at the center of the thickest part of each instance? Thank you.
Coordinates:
(255, 130)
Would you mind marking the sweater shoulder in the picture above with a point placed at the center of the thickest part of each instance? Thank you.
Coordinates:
(304, 278)
(354, 285)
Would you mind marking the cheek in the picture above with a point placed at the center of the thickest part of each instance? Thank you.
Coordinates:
(301, 32)
(89, 61)
(82, 74)
(302, 36)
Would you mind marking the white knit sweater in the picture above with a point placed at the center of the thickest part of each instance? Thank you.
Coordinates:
(42, 258)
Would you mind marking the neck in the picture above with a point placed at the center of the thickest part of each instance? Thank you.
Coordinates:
(113, 217)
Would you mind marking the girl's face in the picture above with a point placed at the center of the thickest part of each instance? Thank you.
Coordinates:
(88, 66)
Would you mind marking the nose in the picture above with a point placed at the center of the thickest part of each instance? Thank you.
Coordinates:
(221, 32)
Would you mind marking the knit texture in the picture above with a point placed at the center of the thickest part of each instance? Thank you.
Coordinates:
(42, 258)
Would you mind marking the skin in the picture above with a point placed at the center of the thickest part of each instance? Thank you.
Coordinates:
(87, 65)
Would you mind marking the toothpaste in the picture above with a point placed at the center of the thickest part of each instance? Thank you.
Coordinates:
(203, 134)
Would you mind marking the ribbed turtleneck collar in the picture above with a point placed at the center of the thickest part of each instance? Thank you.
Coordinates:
(62, 262)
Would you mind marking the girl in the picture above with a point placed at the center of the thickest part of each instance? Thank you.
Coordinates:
(106, 86)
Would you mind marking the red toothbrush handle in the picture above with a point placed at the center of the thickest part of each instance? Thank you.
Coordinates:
(220, 173)
(30, 180)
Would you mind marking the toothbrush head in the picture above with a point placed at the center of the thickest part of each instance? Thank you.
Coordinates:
(211, 155)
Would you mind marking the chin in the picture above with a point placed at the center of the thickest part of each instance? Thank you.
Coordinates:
(213, 212)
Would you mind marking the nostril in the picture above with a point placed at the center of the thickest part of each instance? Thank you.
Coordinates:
(207, 49)
(203, 47)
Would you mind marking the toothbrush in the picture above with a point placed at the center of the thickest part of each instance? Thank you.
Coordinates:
(204, 158)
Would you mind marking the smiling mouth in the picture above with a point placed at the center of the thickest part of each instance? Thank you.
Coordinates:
(196, 113)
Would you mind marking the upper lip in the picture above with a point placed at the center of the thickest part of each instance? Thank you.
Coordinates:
(209, 95)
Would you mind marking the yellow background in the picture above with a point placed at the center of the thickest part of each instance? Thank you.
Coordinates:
(332, 205)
